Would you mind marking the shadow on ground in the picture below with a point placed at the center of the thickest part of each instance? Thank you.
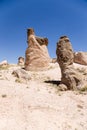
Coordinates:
(54, 82)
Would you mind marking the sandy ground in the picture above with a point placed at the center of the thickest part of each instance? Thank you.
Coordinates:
(38, 105)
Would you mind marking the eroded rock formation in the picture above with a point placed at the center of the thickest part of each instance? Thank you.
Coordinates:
(22, 75)
(21, 61)
(80, 58)
(36, 56)
(71, 77)
(64, 52)
(4, 63)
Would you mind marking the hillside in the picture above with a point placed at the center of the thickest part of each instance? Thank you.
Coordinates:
(38, 104)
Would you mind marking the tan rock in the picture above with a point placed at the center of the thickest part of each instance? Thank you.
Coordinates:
(80, 58)
(36, 56)
(64, 52)
(20, 61)
(22, 75)
(54, 60)
(71, 77)
(3, 63)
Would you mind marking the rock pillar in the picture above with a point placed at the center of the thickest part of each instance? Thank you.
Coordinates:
(36, 55)
(71, 77)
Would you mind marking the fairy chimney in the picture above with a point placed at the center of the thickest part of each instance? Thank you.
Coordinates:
(65, 57)
(36, 55)
(64, 52)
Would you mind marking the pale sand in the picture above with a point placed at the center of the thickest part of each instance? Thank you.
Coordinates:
(39, 105)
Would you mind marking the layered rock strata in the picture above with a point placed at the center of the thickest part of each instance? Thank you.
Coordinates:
(71, 77)
(36, 56)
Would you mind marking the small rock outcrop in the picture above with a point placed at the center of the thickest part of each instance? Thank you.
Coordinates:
(54, 60)
(80, 58)
(21, 61)
(71, 77)
(22, 75)
(4, 63)
(36, 56)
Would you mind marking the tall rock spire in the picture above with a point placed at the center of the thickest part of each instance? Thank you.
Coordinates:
(36, 55)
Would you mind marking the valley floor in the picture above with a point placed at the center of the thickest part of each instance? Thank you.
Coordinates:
(39, 105)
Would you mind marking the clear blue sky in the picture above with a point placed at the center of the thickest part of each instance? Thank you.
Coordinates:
(49, 18)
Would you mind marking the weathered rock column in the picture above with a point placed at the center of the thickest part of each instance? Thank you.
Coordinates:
(36, 56)
(65, 57)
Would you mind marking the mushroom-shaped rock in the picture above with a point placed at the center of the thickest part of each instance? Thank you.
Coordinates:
(71, 77)
(36, 56)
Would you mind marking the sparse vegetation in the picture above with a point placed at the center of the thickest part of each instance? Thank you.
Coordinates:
(1, 78)
(4, 67)
(84, 89)
(18, 80)
(76, 129)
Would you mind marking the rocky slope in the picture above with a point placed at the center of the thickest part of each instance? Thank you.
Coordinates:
(38, 104)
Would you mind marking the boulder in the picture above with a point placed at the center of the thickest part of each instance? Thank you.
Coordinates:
(22, 75)
(80, 58)
(36, 56)
(71, 77)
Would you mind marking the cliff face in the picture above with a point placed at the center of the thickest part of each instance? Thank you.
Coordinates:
(36, 55)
